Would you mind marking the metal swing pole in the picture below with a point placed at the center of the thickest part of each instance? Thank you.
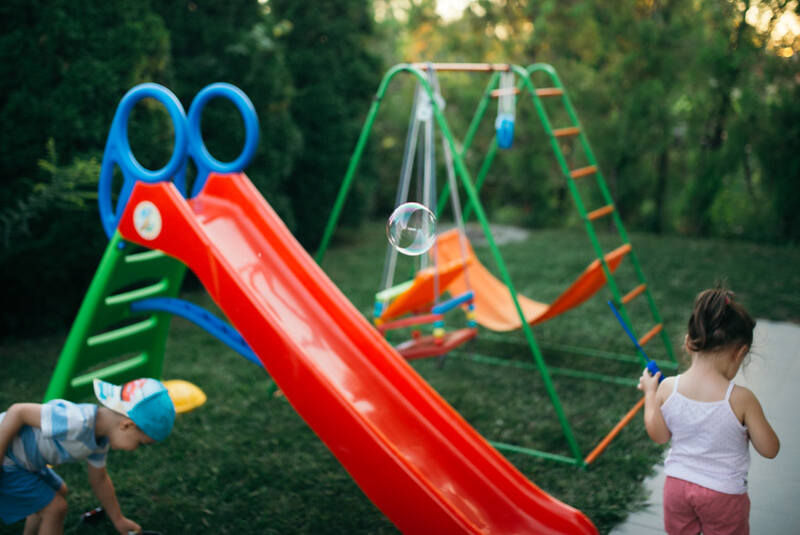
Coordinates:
(463, 173)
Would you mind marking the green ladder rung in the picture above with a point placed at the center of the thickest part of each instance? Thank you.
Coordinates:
(142, 266)
(128, 297)
(111, 344)
(110, 372)
(127, 334)
(114, 310)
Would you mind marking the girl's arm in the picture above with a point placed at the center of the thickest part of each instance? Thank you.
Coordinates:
(654, 422)
(18, 415)
(763, 437)
(104, 490)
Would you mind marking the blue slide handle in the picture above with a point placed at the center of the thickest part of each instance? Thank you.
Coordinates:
(118, 152)
(188, 142)
(651, 365)
(203, 159)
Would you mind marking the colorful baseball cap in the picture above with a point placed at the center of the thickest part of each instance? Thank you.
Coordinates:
(145, 401)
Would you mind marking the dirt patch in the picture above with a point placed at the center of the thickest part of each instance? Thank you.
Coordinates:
(502, 234)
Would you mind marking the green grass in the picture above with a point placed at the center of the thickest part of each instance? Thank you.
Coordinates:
(246, 463)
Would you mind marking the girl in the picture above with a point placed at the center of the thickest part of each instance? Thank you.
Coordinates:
(710, 421)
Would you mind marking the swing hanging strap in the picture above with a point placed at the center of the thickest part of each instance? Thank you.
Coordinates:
(412, 135)
(456, 206)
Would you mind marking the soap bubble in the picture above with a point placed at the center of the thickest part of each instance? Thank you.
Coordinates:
(411, 229)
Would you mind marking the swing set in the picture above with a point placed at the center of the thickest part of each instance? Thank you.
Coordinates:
(451, 266)
(418, 301)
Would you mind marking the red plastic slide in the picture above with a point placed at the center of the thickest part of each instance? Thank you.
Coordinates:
(418, 461)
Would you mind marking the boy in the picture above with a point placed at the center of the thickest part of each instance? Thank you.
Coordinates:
(33, 436)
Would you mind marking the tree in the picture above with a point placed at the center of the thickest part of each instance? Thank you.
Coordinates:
(335, 76)
(235, 42)
(64, 67)
(734, 55)
(779, 154)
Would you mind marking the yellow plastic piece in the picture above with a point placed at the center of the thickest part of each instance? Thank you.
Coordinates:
(185, 396)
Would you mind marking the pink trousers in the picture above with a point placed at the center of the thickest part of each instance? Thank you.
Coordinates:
(690, 509)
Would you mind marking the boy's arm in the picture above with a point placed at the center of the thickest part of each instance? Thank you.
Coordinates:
(104, 490)
(654, 422)
(18, 415)
(763, 437)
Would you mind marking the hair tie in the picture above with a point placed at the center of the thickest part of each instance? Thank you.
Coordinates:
(727, 300)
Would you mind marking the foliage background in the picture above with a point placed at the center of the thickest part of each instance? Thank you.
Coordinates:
(692, 109)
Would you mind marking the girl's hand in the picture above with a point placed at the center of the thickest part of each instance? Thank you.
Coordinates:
(648, 383)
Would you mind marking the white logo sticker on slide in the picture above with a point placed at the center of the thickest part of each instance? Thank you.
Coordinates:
(147, 220)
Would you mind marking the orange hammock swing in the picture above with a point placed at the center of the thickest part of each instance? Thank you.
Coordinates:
(494, 308)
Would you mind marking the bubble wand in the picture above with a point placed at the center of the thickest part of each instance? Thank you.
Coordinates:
(651, 365)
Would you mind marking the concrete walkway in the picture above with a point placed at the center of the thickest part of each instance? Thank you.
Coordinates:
(774, 484)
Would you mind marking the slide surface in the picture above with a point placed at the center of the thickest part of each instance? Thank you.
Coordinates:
(418, 461)
(494, 308)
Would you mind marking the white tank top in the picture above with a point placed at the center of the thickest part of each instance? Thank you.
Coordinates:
(710, 447)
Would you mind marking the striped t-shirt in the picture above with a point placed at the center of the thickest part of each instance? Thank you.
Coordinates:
(66, 435)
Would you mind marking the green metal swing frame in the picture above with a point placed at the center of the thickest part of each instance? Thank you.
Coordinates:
(473, 206)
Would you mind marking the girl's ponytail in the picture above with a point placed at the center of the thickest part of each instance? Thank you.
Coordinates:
(718, 321)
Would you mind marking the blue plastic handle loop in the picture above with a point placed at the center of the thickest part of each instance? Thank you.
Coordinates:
(203, 159)
(118, 152)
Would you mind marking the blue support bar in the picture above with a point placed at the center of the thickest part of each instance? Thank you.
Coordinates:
(450, 304)
(200, 317)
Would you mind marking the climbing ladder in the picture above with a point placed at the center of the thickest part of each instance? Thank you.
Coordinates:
(591, 217)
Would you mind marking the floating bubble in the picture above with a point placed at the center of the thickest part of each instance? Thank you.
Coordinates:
(411, 229)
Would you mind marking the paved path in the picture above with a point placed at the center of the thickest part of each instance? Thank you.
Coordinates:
(774, 375)
(502, 234)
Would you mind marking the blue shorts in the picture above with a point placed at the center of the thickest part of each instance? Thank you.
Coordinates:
(23, 493)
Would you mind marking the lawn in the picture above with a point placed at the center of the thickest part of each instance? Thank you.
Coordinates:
(245, 462)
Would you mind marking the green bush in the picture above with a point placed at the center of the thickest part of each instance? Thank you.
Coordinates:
(51, 242)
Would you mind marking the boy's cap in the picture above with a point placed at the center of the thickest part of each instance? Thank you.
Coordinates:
(145, 401)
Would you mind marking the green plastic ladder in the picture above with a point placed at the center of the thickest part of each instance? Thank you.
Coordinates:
(106, 339)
